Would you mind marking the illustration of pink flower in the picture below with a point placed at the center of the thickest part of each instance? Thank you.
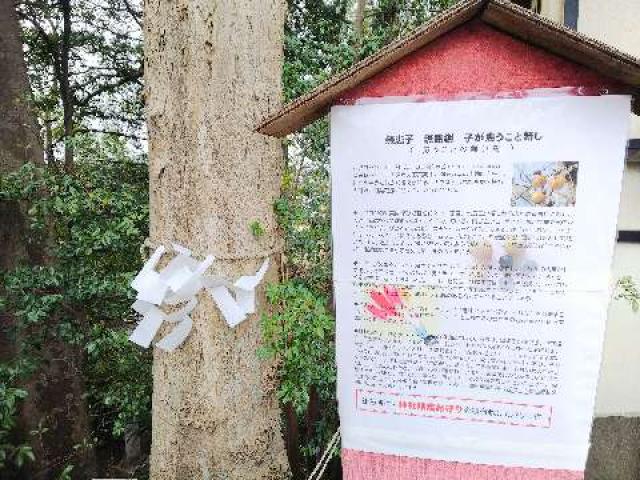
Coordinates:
(386, 303)
(393, 295)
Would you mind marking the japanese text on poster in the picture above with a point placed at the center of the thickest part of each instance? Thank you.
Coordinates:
(472, 252)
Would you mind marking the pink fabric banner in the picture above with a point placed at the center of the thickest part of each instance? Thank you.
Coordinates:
(358, 465)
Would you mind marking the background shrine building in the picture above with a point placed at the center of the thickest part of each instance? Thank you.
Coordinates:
(449, 65)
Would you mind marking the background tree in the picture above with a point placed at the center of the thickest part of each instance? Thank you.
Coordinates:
(19, 144)
(86, 382)
(86, 385)
(358, 24)
(85, 60)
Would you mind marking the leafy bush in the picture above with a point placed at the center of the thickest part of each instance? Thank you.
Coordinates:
(88, 225)
(120, 389)
(10, 396)
(299, 334)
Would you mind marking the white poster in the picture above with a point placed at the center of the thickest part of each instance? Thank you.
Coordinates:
(472, 252)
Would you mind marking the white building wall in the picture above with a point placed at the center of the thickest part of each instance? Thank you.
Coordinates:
(619, 386)
(553, 9)
(616, 23)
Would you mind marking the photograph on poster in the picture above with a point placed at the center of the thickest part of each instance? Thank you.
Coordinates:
(544, 184)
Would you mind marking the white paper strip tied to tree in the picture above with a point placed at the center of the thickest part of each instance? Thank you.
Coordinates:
(179, 283)
(235, 309)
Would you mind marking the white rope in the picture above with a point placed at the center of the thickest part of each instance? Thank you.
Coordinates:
(277, 247)
(326, 457)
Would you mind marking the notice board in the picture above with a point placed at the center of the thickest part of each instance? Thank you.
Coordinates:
(472, 250)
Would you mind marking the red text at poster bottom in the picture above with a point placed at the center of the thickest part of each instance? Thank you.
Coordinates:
(452, 408)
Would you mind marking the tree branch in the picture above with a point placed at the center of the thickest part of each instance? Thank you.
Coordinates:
(110, 87)
(111, 132)
(135, 15)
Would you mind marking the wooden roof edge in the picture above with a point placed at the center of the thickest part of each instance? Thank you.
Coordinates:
(567, 43)
(501, 14)
(279, 124)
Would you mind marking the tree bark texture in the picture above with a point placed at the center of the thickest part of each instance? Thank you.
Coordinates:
(18, 131)
(19, 144)
(212, 72)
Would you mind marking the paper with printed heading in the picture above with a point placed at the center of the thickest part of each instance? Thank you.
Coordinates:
(472, 250)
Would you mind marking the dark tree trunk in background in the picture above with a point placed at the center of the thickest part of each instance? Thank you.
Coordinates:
(56, 399)
(18, 131)
(358, 25)
(57, 402)
(66, 94)
(19, 143)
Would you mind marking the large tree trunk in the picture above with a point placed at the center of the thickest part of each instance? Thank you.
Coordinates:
(19, 139)
(56, 399)
(57, 402)
(19, 144)
(212, 71)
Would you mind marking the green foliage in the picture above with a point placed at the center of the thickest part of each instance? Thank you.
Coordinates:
(121, 387)
(257, 230)
(391, 19)
(97, 217)
(299, 333)
(88, 225)
(10, 396)
(65, 473)
(629, 291)
(303, 210)
(317, 43)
